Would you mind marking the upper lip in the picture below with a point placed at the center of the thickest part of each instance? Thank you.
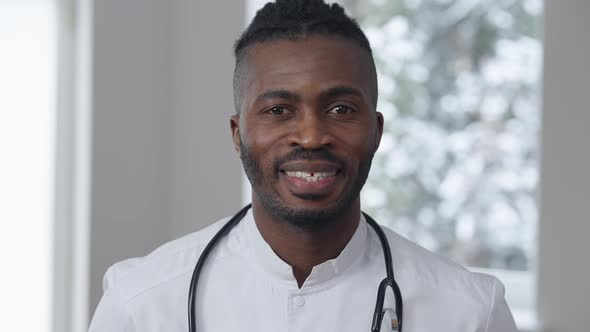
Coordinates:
(310, 166)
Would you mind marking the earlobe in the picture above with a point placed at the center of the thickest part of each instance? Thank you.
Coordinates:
(379, 131)
(237, 141)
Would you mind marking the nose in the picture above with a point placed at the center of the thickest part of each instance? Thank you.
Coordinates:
(311, 132)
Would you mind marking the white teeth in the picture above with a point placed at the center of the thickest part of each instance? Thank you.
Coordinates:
(310, 176)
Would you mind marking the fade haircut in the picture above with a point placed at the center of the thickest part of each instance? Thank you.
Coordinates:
(293, 20)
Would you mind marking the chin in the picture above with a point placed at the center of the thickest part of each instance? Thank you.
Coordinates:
(308, 215)
(311, 219)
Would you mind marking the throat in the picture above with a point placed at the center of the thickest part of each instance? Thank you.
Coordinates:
(301, 275)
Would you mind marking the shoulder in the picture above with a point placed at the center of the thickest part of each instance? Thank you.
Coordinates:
(162, 271)
(426, 275)
(430, 267)
(131, 277)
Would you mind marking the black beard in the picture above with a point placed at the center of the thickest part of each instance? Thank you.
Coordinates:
(308, 220)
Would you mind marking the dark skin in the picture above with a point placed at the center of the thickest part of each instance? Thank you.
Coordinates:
(314, 93)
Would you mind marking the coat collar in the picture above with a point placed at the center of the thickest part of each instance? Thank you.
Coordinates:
(262, 254)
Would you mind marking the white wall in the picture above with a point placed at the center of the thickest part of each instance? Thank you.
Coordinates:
(564, 234)
(130, 98)
(163, 164)
(205, 170)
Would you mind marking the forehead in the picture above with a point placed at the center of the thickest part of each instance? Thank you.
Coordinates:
(307, 65)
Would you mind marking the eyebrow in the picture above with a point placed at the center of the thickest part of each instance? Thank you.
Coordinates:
(279, 94)
(338, 91)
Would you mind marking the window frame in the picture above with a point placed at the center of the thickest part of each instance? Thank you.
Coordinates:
(72, 188)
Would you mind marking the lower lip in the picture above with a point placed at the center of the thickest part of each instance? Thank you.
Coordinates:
(303, 187)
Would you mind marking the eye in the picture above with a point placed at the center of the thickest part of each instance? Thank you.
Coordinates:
(278, 110)
(341, 109)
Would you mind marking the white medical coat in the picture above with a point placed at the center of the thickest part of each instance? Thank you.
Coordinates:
(245, 286)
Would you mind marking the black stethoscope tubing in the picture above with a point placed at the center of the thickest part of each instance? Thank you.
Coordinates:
(389, 281)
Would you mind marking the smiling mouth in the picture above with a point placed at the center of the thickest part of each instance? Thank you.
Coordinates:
(310, 176)
(311, 179)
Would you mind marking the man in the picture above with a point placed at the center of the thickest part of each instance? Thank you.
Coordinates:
(303, 257)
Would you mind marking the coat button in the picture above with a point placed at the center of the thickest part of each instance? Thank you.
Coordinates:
(299, 301)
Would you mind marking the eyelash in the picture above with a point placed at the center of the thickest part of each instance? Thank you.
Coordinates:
(274, 108)
(349, 110)
(283, 109)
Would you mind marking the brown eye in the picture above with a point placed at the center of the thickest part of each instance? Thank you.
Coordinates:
(341, 109)
(277, 110)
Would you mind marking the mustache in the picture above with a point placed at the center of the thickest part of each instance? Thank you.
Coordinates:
(300, 153)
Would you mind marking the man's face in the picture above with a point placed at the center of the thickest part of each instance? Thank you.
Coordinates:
(307, 128)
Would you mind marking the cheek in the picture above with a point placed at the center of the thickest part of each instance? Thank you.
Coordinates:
(359, 144)
(263, 141)
(262, 145)
(260, 134)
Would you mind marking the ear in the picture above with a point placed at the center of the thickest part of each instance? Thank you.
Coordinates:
(234, 124)
(379, 129)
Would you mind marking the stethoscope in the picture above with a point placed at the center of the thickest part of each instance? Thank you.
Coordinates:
(389, 281)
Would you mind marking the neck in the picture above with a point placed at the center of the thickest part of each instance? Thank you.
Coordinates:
(303, 249)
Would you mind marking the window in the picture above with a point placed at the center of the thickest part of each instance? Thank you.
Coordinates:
(459, 90)
(27, 148)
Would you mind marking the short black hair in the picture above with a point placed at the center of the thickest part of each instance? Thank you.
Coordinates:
(292, 20)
